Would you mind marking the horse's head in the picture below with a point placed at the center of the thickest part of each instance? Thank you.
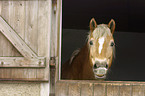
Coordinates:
(101, 47)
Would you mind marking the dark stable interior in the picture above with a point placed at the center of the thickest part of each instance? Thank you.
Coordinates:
(129, 15)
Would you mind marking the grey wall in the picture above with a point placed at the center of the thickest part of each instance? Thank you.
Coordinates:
(128, 14)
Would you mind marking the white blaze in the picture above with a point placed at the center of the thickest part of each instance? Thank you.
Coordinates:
(101, 42)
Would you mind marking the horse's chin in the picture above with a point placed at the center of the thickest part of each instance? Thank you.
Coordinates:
(100, 77)
(100, 73)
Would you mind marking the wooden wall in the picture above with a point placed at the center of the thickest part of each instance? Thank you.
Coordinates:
(97, 88)
(31, 20)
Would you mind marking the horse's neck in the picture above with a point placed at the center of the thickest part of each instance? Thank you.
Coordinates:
(81, 64)
(83, 55)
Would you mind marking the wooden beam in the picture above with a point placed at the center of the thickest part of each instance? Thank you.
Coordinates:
(16, 40)
(22, 62)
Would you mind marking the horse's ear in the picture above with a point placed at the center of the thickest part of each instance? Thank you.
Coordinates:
(93, 24)
(111, 25)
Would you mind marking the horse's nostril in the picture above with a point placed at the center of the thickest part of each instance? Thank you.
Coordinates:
(106, 65)
(95, 66)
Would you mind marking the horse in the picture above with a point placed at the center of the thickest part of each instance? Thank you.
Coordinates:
(94, 59)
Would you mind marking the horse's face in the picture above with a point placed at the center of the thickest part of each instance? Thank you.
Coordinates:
(101, 46)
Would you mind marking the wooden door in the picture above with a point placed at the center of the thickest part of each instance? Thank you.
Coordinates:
(25, 28)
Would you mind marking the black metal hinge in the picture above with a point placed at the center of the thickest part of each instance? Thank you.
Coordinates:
(52, 75)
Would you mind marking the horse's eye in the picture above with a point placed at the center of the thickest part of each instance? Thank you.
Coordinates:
(91, 42)
(106, 66)
(112, 44)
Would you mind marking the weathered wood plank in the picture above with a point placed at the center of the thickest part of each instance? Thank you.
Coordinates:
(6, 73)
(31, 26)
(99, 89)
(1, 43)
(138, 90)
(22, 62)
(74, 89)
(1, 51)
(8, 49)
(16, 40)
(44, 26)
(40, 73)
(4, 12)
(53, 35)
(126, 90)
(5, 9)
(17, 12)
(19, 74)
(61, 89)
(0, 7)
(87, 89)
(59, 26)
(11, 14)
(113, 89)
(32, 73)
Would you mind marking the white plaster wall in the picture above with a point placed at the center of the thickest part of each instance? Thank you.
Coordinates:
(20, 89)
(24, 89)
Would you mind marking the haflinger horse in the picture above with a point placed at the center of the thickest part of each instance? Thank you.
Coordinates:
(94, 59)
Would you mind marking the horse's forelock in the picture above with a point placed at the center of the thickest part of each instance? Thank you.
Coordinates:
(100, 31)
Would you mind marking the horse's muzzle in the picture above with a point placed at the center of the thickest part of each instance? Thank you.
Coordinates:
(100, 72)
